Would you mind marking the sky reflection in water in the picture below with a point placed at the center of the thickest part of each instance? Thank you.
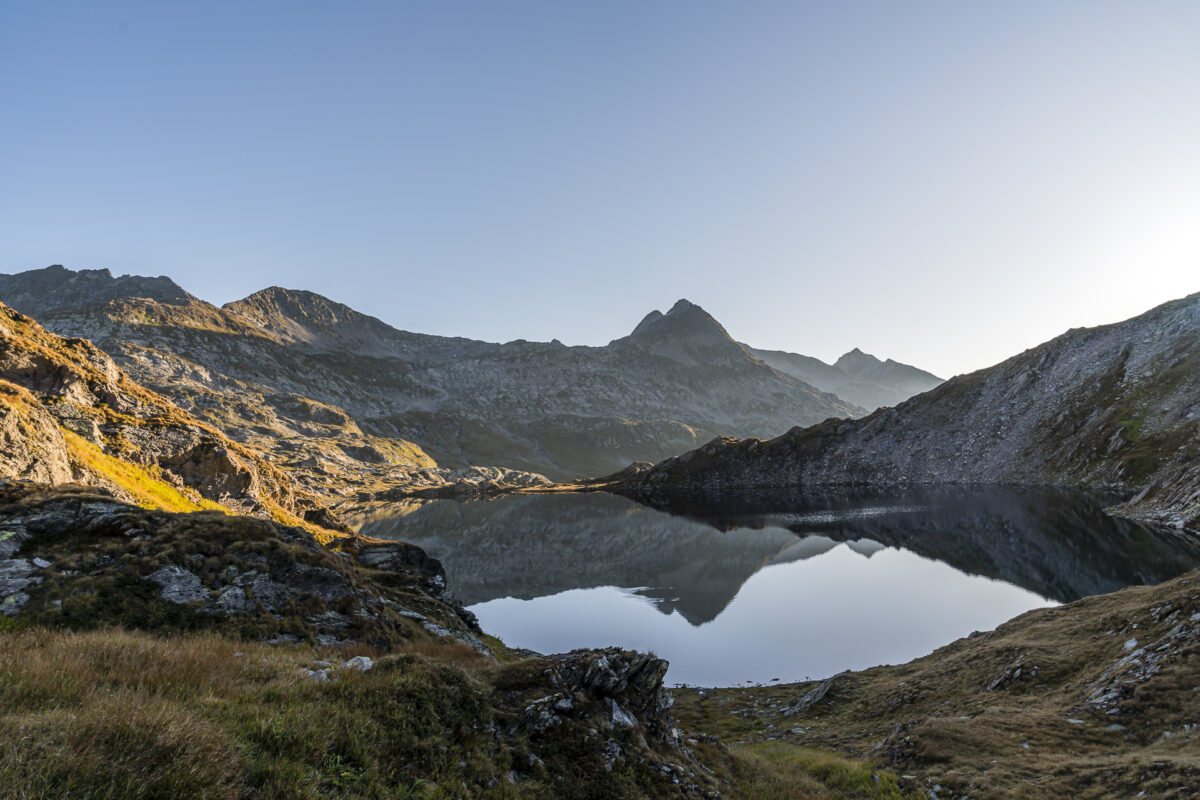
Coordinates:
(813, 618)
(753, 588)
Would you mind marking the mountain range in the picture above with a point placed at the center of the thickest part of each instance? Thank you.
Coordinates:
(273, 415)
(856, 377)
(347, 401)
(1116, 406)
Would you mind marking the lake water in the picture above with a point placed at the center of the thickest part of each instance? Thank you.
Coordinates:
(787, 586)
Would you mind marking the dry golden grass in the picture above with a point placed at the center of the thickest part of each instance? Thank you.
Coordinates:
(118, 715)
(147, 490)
(115, 714)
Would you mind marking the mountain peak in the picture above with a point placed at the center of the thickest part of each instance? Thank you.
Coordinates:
(856, 362)
(296, 304)
(38, 291)
(291, 310)
(321, 323)
(682, 305)
(648, 322)
(687, 333)
(685, 318)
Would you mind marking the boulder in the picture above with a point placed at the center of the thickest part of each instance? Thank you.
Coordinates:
(179, 585)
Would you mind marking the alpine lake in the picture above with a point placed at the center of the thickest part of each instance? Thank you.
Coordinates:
(778, 586)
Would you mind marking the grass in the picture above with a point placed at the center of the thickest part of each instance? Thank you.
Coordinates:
(147, 490)
(115, 714)
(773, 771)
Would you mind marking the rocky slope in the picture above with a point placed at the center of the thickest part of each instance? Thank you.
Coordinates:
(856, 377)
(69, 413)
(338, 394)
(1115, 406)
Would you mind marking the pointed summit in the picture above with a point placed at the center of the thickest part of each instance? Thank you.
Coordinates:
(682, 305)
(857, 362)
(684, 319)
(647, 322)
(688, 333)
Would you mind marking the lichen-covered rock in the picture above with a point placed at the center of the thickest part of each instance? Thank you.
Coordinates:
(397, 556)
(622, 679)
(16, 574)
(179, 585)
(31, 446)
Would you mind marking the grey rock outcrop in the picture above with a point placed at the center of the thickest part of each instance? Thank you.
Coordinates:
(31, 446)
(627, 683)
(467, 483)
(179, 585)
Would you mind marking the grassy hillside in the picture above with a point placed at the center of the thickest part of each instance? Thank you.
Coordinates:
(1096, 699)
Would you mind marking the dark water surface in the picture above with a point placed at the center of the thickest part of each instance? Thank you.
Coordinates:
(751, 588)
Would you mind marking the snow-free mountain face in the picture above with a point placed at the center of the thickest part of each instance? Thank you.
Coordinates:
(68, 414)
(1116, 406)
(56, 287)
(316, 383)
(856, 377)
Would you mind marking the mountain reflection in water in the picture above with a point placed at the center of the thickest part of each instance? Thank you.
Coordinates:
(814, 574)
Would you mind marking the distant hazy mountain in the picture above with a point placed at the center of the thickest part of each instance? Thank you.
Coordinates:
(1116, 406)
(856, 377)
(315, 382)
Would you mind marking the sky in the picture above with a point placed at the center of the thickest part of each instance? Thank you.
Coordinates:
(943, 183)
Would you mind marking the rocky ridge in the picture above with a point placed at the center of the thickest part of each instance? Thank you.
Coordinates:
(340, 398)
(857, 377)
(1112, 407)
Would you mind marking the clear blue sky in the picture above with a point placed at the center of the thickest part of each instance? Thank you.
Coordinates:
(945, 183)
